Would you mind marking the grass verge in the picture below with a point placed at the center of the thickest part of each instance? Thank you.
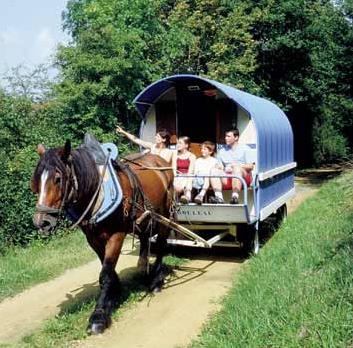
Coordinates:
(298, 291)
(21, 268)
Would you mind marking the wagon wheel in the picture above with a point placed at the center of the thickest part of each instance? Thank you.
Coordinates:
(281, 214)
(272, 223)
(248, 236)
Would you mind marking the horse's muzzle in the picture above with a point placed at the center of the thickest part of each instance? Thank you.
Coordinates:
(45, 223)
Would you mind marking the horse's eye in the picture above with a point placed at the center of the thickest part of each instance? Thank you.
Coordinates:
(57, 179)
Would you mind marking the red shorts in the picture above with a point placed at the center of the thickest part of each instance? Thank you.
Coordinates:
(228, 184)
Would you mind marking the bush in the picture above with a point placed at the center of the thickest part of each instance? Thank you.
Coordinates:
(16, 200)
(329, 145)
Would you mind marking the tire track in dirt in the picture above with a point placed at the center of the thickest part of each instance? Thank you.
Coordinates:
(169, 319)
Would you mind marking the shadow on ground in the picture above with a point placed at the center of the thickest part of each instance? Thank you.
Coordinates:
(317, 176)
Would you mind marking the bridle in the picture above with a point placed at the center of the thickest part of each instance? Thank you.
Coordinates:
(70, 195)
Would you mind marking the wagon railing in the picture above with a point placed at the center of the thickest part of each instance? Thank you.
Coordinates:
(225, 176)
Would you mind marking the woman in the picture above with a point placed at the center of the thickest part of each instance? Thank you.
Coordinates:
(203, 166)
(183, 163)
(160, 147)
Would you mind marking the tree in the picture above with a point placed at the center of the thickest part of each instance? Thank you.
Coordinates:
(30, 83)
(303, 55)
(108, 63)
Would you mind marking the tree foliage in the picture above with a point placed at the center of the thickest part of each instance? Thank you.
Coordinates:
(304, 50)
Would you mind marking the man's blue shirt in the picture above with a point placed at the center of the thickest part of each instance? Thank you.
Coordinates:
(239, 155)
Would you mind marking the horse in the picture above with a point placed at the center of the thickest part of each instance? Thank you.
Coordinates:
(66, 179)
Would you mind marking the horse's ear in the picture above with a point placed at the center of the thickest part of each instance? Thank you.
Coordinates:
(40, 149)
(67, 151)
(33, 185)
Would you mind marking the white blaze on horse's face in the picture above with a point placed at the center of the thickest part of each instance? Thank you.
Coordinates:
(42, 192)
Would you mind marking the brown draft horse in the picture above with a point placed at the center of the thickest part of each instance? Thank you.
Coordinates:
(65, 181)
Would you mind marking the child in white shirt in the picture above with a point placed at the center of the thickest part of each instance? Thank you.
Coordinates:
(204, 166)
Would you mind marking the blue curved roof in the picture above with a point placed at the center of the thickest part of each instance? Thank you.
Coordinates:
(274, 132)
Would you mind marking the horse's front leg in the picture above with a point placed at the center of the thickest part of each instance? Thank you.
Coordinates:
(157, 274)
(109, 286)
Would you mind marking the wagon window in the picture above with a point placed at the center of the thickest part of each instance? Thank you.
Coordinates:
(166, 118)
(226, 118)
(196, 115)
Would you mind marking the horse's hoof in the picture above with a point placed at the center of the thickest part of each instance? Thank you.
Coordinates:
(96, 328)
(156, 286)
(98, 322)
(157, 289)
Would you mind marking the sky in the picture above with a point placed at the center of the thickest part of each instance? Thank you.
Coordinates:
(29, 31)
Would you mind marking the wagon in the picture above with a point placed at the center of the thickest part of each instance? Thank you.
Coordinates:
(204, 109)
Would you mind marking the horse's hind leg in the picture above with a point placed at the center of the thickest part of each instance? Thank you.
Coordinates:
(157, 275)
(109, 286)
(143, 256)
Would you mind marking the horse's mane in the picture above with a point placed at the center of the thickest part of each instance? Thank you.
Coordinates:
(86, 171)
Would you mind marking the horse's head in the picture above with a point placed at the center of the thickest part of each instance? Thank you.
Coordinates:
(50, 182)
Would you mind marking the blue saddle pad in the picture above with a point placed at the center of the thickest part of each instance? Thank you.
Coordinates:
(111, 187)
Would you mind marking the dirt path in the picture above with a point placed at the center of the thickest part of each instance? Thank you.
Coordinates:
(173, 317)
(169, 319)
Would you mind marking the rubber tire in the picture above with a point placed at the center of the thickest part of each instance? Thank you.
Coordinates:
(281, 214)
(248, 236)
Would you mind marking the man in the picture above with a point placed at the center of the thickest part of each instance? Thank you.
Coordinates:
(235, 159)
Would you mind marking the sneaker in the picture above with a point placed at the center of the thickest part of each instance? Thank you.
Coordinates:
(234, 200)
(216, 200)
(198, 199)
(184, 200)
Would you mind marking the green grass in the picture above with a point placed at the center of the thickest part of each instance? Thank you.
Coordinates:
(21, 268)
(298, 292)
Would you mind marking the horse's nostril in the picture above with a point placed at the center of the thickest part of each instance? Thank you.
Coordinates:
(45, 224)
(37, 221)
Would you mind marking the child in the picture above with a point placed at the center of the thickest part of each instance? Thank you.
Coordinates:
(204, 166)
(183, 163)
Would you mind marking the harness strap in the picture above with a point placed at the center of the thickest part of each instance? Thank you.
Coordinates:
(146, 167)
(41, 208)
(94, 195)
(74, 187)
(138, 195)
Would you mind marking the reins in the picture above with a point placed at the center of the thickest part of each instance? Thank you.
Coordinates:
(94, 195)
(144, 166)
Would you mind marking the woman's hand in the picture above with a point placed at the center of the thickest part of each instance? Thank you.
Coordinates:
(119, 130)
